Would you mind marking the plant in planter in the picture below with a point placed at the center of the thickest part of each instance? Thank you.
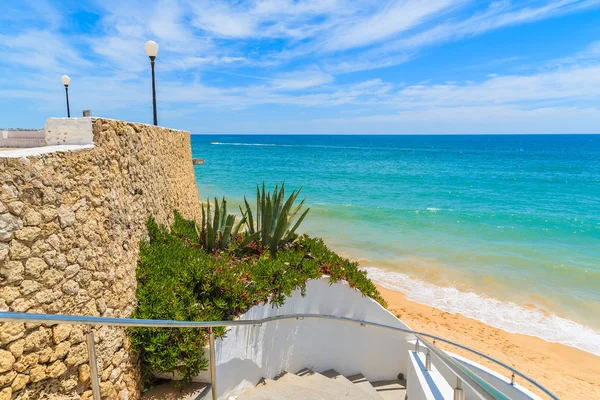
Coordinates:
(276, 222)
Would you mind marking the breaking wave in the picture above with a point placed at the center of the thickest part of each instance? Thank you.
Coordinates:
(507, 316)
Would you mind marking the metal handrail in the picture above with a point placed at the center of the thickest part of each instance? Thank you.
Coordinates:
(151, 323)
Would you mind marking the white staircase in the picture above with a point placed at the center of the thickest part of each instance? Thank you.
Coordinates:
(308, 384)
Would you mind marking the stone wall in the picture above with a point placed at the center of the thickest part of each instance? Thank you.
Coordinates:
(70, 225)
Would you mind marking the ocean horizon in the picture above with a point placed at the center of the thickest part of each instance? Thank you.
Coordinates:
(504, 229)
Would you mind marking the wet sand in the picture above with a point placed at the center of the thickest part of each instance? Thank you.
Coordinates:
(568, 372)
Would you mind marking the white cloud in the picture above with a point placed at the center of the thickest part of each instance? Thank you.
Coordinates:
(574, 84)
(301, 79)
(393, 18)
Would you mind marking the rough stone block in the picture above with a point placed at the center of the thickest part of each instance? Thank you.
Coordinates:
(51, 277)
(56, 369)
(6, 360)
(12, 272)
(8, 224)
(3, 251)
(71, 288)
(60, 332)
(25, 362)
(66, 216)
(19, 382)
(6, 394)
(60, 351)
(7, 378)
(18, 250)
(37, 340)
(77, 355)
(10, 331)
(29, 286)
(28, 233)
(35, 266)
(16, 347)
(32, 218)
(16, 207)
(38, 373)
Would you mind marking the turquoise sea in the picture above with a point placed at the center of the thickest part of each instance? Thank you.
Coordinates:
(501, 228)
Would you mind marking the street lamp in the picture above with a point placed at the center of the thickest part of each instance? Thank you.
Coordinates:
(66, 80)
(152, 51)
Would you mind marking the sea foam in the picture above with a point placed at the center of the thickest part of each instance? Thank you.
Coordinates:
(507, 316)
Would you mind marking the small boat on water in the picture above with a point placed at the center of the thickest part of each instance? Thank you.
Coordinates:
(214, 142)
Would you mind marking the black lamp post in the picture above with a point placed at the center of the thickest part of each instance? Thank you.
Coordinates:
(152, 51)
(66, 80)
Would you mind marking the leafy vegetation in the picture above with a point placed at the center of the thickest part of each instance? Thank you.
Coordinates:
(275, 225)
(215, 272)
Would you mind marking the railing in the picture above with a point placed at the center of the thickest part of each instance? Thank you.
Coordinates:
(463, 374)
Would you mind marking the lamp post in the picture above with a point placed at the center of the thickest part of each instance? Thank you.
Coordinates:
(66, 80)
(152, 51)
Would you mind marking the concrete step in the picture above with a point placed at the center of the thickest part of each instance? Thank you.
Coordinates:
(276, 390)
(368, 394)
(168, 391)
(391, 390)
(314, 380)
(330, 385)
(362, 382)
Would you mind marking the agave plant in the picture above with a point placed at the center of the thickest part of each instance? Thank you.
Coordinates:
(216, 231)
(274, 217)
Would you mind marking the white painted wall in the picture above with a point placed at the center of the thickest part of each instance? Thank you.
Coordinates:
(249, 353)
(69, 131)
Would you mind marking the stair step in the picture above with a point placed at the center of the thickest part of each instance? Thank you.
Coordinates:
(314, 380)
(362, 382)
(391, 390)
(368, 394)
(276, 390)
(168, 391)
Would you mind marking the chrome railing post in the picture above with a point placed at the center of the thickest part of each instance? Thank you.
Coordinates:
(428, 360)
(213, 363)
(91, 348)
(417, 346)
(459, 393)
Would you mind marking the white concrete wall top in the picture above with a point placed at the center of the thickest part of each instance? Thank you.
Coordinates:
(69, 131)
(8, 134)
(425, 385)
(498, 381)
(37, 151)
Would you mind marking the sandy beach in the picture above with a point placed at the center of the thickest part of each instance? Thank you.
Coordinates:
(568, 372)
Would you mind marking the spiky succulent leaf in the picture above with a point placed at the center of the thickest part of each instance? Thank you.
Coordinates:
(290, 233)
(217, 219)
(249, 215)
(210, 238)
(223, 215)
(225, 236)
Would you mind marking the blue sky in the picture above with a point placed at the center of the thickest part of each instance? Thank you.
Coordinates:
(317, 66)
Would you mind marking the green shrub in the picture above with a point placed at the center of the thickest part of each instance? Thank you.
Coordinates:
(179, 280)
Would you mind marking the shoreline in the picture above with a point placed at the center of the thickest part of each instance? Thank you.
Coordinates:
(568, 372)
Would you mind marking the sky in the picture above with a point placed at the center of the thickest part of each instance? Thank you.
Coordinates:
(315, 66)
